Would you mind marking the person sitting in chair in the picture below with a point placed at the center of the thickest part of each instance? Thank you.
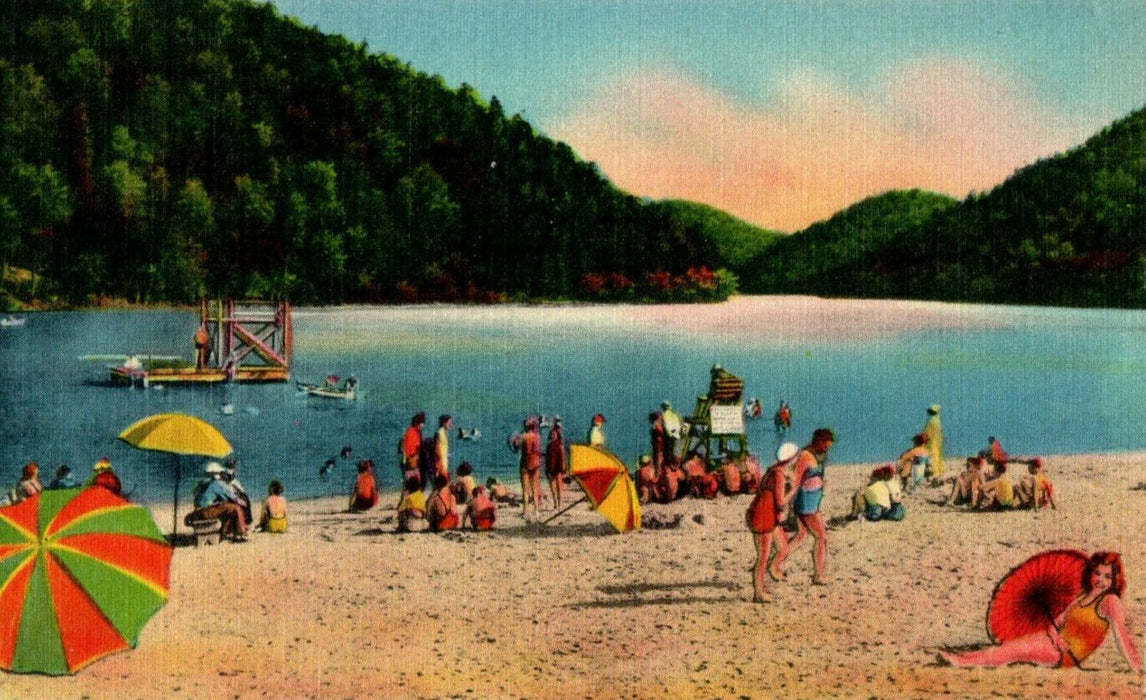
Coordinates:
(214, 500)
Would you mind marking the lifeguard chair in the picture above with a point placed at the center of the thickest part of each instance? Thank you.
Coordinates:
(719, 418)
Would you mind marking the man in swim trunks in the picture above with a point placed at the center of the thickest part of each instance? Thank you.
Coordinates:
(809, 480)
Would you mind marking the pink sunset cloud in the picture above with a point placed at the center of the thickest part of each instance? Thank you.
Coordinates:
(945, 125)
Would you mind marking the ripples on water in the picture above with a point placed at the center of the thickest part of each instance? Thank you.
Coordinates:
(1047, 381)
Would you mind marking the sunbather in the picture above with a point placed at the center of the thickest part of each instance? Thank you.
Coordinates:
(913, 463)
(968, 486)
(412, 506)
(1075, 633)
(1034, 490)
(481, 512)
(999, 492)
(365, 494)
(647, 478)
(274, 516)
(442, 508)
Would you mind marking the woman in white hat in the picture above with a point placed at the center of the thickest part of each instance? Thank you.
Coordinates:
(764, 519)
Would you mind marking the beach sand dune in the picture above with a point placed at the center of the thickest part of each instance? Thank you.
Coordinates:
(341, 607)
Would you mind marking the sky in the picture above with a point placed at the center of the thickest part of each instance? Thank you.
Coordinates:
(780, 113)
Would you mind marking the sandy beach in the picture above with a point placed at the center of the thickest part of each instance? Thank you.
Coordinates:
(340, 607)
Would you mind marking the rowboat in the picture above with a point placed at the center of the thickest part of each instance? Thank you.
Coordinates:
(348, 390)
(12, 321)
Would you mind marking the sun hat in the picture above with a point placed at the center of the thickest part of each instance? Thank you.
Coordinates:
(213, 468)
(645, 459)
(104, 463)
(787, 452)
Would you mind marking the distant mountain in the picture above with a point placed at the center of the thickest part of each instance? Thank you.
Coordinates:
(735, 241)
(843, 255)
(1068, 230)
(157, 150)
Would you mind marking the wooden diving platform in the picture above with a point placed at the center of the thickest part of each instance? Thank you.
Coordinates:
(236, 341)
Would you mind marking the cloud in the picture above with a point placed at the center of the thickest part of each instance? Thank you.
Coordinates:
(941, 124)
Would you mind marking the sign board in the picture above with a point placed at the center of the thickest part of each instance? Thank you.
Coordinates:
(727, 420)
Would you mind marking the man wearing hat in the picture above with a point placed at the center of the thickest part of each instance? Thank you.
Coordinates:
(215, 500)
(934, 432)
(104, 476)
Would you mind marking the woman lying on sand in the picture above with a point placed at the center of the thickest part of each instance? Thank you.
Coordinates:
(1075, 633)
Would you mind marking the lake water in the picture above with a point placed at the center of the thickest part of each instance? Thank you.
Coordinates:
(1044, 381)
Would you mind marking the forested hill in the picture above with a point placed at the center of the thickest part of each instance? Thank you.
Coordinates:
(1069, 230)
(842, 256)
(156, 150)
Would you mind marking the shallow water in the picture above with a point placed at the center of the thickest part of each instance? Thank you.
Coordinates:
(1047, 381)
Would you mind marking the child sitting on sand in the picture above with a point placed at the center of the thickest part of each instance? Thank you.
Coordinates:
(999, 492)
(481, 512)
(464, 484)
(730, 477)
(274, 517)
(442, 508)
(968, 485)
(1034, 490)
(646, 478)
(669, 486)
(412, 505)
(365, 494)
(913, 463)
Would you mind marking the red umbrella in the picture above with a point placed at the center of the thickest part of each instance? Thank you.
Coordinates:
(1033, 594)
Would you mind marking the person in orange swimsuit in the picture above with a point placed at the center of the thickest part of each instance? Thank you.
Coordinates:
(365, 494)
(528, 444)
(763, 518)
(1076, 633)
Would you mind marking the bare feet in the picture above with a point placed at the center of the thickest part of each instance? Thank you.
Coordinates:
(777, 575)
(761, 598)
(819, 581)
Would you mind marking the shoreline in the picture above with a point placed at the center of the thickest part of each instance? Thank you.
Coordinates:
(514, 484)
(124, 305)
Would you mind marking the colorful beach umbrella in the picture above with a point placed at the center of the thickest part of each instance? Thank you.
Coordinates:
(81, 572)
(1034, 593)
(606, 482)
(178, 434)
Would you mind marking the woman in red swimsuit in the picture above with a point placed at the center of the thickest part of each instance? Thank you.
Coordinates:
(764, 519)
(1075, 633)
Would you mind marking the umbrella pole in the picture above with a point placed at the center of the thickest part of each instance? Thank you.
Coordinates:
(175, 504)
(566, 508)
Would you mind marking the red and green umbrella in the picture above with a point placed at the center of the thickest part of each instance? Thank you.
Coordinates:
(81, 572)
